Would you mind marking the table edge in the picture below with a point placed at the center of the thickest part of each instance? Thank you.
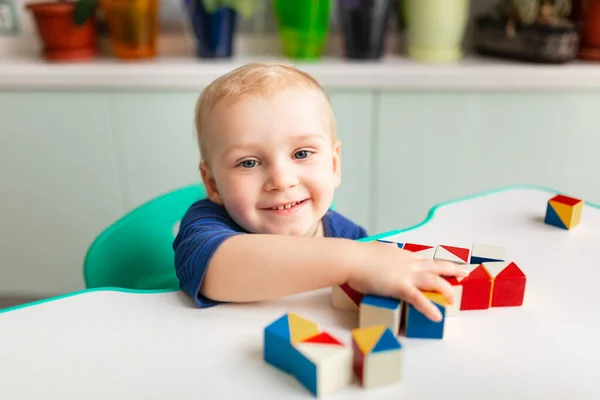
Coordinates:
(429, 217)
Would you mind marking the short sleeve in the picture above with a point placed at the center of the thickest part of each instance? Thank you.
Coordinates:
(337, 225)
(204, 227)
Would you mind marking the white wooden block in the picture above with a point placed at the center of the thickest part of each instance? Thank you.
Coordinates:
(382, 368)
(326, 368)
(340, 300)
(481, 253)
(376, 310)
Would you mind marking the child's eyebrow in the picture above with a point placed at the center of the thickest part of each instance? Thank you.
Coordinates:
(304, 136)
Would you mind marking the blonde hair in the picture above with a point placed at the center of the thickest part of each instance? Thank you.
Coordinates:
(258, 78)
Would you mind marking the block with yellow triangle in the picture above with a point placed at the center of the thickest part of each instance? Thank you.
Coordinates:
(416, 325)
(319, 361)
(563, 212)
(378, 357)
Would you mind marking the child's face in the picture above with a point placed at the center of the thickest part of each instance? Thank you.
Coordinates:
(273, 152)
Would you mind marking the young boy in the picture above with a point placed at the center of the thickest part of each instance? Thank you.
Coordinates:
(270, 166)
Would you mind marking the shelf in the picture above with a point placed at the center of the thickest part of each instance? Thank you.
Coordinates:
(178, 69)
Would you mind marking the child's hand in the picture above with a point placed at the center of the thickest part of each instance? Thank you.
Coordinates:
(388, 271)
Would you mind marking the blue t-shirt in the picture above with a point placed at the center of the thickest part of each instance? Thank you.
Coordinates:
(207, 224)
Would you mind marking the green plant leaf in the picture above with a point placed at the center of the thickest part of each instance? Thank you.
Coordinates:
(84, 10)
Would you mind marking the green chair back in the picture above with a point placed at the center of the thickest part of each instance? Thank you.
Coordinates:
(136, 252)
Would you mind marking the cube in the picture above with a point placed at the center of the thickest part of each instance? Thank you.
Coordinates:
(343, 297)
(508, 284)
(296, 346)
(416, 325)
(481, 253)
(377, 356)
(563, 212)
(421, 250)
(477, 289)
(457, 255)
(325, 364)
(376, 310)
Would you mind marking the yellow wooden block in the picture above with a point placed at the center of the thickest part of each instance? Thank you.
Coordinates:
(301, 328)
(567, 209)
(367, 338)
(437, 298)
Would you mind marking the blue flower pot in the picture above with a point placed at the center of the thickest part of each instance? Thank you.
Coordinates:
(214, 31)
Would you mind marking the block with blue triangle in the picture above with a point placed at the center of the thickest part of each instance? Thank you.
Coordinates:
(296, 346)
(377, 310)
(378, 356)
(397, 244)
(482, 253)
(416, 325)
(564, 212)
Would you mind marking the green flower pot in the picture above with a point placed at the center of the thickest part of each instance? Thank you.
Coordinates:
(303, 27)
(435, 29)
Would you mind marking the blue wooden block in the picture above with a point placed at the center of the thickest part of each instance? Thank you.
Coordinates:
(417, 325)
(278, 350)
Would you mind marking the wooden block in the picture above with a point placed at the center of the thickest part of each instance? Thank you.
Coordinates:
(477, 288)
(481, 253)
(508, 284)
(457, 255)
(378, 357)
(417, 325)
(376, 310)
(296, 346)
(457, 289)
(564, 212)
(343, 297)
(423, 251)
(325, 364)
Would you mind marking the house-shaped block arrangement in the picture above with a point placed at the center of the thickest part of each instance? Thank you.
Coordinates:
(421, 250)
(378, 357)
(564, 212)
(416, 325)
(508, 284)
(320, 362)
(376, 310)
(457, 255)
(481, 253)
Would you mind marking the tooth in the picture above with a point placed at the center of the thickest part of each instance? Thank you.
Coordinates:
(287, 206)
(280, 208)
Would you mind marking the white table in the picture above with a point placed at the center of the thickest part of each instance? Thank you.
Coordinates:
(116, 345)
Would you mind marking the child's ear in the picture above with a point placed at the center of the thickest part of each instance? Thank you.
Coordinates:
(210, 184)
(337, 168)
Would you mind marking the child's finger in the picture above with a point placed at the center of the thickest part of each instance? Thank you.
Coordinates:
(445, 268)
(422, 303)
(435, 283)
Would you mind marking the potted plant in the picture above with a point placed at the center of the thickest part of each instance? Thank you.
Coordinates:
(303, 27)
(435, 29)
(364, 26)
(63, 37)
(214, 24)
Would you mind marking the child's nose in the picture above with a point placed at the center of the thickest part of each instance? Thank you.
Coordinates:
(281, 179)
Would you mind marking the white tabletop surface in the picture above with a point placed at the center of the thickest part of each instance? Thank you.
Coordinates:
(117, 345)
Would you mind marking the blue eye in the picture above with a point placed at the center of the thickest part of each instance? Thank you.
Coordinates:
(248, 163)
(302, 154)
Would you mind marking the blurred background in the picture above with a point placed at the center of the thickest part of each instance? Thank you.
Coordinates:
(435, 99)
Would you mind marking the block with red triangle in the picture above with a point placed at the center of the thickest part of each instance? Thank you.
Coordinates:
(508, 284)
(319, 361)
(377, 356)
(457, 290)
(421, 250)
(343, 297)
(476, 288)
(457, 255)
(564, 212)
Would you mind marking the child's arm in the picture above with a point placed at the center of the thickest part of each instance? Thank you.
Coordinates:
(259, 267)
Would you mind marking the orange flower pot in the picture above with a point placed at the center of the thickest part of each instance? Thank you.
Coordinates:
(590, 39)
(133, 27)
(61, 38)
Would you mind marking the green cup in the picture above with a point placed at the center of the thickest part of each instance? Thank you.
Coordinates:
(435, 29)
(303, 27)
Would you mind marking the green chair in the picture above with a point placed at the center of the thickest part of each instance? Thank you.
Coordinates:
(136, 251)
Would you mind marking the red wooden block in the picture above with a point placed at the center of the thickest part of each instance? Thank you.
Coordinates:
(508, 288)
(353, 294)
(477, 289)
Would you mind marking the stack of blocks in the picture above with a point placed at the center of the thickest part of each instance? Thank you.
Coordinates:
(492, 282)
(564, 212)
(316, 359)
(323, 364)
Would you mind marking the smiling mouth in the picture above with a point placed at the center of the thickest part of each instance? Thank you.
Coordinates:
(286, 206)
